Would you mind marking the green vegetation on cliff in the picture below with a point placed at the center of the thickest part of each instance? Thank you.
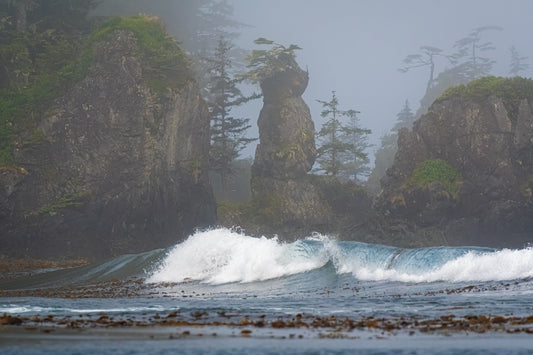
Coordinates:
(260, 211)
(265, 64)
(43, 66)
(510, 90)
(165, 65)
(68, 200)
(436, 170)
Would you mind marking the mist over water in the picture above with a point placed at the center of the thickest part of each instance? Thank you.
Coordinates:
(357, 47)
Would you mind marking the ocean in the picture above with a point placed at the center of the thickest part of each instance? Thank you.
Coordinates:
(223, 292)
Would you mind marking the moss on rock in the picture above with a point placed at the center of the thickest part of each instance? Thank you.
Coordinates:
(46, 65)
(165, 64)
(511, 90)
(436, 170)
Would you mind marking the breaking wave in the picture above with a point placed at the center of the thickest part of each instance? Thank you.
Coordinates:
(224, 256)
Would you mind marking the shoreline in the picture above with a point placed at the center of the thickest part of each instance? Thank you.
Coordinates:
(223, 341)
(300, 325)
(20, 267)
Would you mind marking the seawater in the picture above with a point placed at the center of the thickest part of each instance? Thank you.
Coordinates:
(232, 273)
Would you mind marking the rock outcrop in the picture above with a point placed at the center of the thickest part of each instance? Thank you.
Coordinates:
(464, 174)
(287, 200)
(114, 166)
(286, 152)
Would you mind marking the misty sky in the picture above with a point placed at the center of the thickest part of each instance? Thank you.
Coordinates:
(355, 47)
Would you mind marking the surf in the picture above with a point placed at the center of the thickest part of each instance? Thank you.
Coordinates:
(222, 256)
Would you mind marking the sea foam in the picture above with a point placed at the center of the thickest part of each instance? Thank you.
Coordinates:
(223, 256)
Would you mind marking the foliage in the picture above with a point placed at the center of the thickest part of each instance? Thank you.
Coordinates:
(37, 16)
(436, 170)
(468, 64)
(384, 157)
(68, 200)
(265, 64)
(197, 23)
(38, 65)
(469, 51)
(44, 65)
(404, 118)
(36, 137)
(355, 159)
(425, 59)
(227, 132)
(261, 210)
(164, 64)
(446, 79)
(510, 90)
(342, 197)
(341, 145)
(238, 184)
(517, 63)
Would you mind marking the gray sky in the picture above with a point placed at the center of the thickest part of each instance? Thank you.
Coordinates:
(355, 47)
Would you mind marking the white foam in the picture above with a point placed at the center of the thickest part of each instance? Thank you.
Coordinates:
(222, 256)
(500, 265)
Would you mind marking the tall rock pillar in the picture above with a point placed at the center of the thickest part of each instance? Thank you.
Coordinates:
(286, 150)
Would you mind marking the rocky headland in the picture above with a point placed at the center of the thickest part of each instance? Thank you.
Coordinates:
(117, 163)
(464, 174)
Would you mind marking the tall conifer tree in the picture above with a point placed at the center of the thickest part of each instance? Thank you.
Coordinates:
(341, 150)
(228, 133)
(517, 63)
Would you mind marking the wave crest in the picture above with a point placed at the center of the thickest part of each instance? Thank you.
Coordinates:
(223, 256)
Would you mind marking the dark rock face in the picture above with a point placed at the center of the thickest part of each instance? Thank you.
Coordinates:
(489, 142)
(286, 130)
(113, 168)
(286, 152)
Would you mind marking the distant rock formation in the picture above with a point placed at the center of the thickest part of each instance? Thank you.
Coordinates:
(286, 150)
(114, 167)
(464, 174)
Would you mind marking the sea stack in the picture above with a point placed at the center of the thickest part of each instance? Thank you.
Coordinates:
(286, 150)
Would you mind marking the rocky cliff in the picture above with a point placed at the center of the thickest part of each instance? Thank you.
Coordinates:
(464, 174)
(115, 165)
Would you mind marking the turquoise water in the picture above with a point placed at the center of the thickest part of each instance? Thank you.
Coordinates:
(223, 275)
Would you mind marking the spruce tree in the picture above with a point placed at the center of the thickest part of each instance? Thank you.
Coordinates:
(469, 51)
(228, 133)
(404, 118)
(517, 63)
(341, 146)
(384, 156)
(355, 160)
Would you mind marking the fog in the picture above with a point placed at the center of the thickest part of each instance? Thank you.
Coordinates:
(356, 47)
